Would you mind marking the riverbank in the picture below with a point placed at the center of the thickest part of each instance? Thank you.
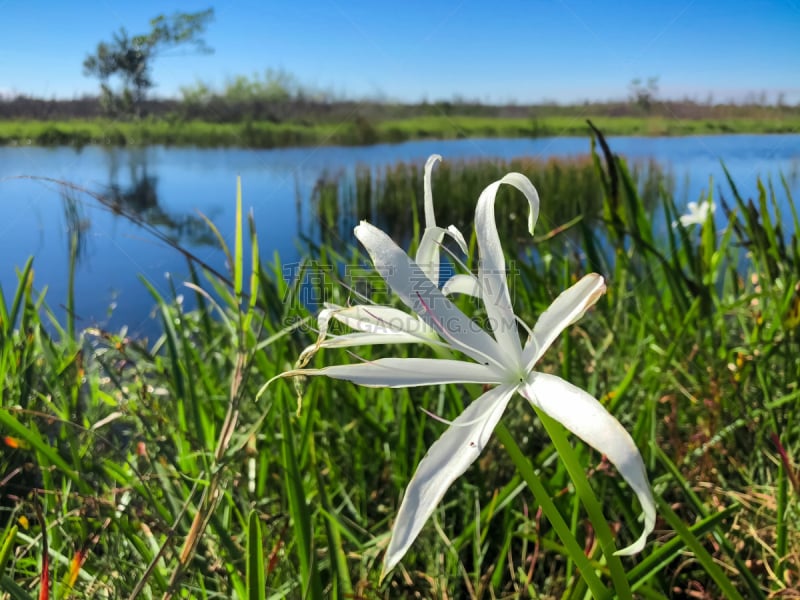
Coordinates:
(361, 131)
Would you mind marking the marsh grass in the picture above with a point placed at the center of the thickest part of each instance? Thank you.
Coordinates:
(154, 468)
(392, 198)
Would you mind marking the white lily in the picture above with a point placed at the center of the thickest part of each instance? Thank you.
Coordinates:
(697, 213)
(377, 324)
(500, 359)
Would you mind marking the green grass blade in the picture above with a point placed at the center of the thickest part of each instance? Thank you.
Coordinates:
(653, 564)
(15, 592)
(590, 502)
(340, 576)
(238, 252)
(256, 585)
(700, 553)
(543, 497)
(48, 455)
(298, 507)
(720, 536)
(25, 278)
(73, 259)
(8, 545)
(255, 267)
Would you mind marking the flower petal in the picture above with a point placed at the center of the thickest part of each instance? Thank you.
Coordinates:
(357, 339)
(380, 319)
(446, 460)
(407, 372)
(567, 308)
(459, 238)
(698, 213)
(492, 265)
(427, 256)
(374, 324)
(420, 294)
(462, 284)
(430, 217)
(584, 416)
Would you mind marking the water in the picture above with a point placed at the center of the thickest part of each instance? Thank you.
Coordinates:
(168, 186)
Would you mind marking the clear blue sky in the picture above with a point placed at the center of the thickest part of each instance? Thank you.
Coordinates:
(493, 52)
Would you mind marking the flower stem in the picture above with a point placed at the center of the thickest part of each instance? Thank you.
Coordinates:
(560, 526)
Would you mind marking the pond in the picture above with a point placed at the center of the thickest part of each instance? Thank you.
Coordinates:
(168, 186)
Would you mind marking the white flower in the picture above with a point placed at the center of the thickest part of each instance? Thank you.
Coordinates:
(698, 213)
(499, 359)
(384, 324)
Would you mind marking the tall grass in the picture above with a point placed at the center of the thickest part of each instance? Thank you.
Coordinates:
(158, 471)
(392, 198)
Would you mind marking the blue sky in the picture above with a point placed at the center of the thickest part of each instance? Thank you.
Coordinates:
(493, 52)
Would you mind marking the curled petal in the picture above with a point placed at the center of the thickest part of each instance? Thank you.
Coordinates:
(406, 372)
(423, 296)
(584, 416)
(427, 256)
(563, 312)
(323, 322)
(446, 460)
(459, 238)
(462, 284)
(492, 265)
(430, 218)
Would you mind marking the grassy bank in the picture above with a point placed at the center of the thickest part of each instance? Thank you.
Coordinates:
(351, 131)
(155, 469)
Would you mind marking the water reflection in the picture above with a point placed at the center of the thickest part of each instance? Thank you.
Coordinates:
(77, 222)
(137, 199)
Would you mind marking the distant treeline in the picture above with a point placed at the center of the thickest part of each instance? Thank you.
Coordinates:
(221, 109)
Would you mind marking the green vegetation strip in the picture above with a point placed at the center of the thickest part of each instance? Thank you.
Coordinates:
(266, 134)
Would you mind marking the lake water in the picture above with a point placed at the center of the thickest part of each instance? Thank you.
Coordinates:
(167, 186)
